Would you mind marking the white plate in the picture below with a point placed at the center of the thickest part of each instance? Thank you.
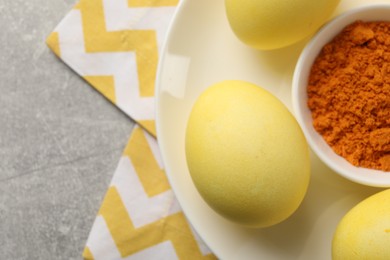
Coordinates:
(200, 50)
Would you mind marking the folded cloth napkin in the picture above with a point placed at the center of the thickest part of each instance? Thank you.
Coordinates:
(114, 45)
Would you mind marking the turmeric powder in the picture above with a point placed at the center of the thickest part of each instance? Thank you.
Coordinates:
(349, 94)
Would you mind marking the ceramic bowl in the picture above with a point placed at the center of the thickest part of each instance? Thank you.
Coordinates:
(379, 12)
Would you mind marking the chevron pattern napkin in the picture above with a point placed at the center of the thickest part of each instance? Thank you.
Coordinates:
(114, 45)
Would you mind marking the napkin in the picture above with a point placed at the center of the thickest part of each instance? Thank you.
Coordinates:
(114, 45)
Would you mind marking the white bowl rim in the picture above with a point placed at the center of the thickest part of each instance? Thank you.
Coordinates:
(368, 177)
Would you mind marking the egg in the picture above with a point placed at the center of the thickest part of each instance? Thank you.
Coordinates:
(246, 154)
(364, 232)
(273, 24)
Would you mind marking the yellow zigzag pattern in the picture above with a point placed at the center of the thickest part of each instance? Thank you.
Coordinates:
(142, 42)
(174, 228)
(151, 176)
(129, 239)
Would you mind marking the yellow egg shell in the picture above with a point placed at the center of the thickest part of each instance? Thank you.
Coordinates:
(246, 154)
(364, 232)
(272, 24)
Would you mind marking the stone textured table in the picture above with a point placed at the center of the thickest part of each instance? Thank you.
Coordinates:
(60, 140)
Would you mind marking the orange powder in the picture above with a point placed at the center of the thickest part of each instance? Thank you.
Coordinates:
(349, 94)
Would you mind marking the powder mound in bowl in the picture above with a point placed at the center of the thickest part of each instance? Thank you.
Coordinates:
(349, 94)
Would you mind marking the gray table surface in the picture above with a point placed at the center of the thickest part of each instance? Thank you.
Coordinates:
(60, 140)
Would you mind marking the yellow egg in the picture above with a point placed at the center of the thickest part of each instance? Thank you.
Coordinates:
(272, 24)
(246, 154)
(364, 232)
